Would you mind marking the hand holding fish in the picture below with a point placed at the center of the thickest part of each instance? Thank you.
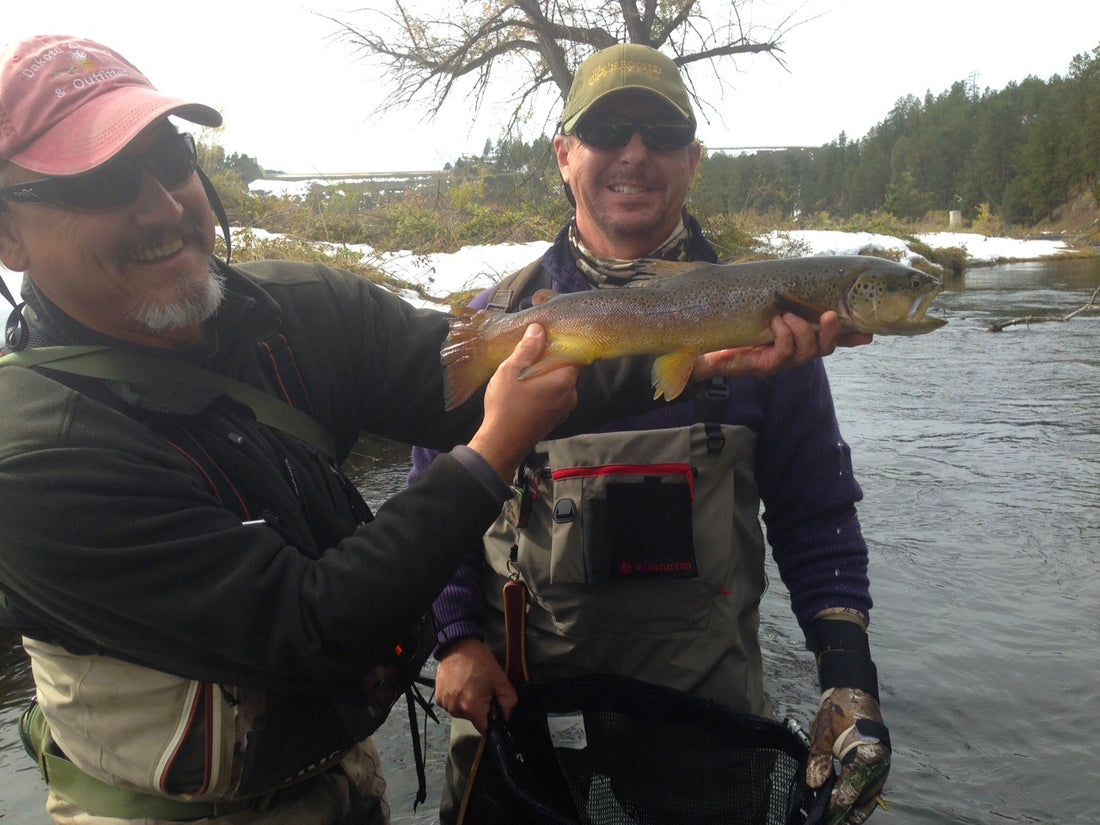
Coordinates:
(519, 413)
(796, 342)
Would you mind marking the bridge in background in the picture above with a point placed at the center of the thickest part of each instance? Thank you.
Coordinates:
(742, 150)
(425, 174)
(292, 176)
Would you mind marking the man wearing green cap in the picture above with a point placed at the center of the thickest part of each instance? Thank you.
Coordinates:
(679, 613)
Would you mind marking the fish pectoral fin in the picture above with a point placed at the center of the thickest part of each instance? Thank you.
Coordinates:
(799, 307)
(671, 373)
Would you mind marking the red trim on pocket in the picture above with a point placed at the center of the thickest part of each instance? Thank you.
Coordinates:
(683, 470)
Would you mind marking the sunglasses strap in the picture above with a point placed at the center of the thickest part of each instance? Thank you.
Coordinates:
(219, 211)
(7, 293)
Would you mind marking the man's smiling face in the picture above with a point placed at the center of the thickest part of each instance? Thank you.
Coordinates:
(139, 271)
(628, 199)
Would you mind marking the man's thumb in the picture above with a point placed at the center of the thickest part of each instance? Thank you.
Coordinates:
(530, 347)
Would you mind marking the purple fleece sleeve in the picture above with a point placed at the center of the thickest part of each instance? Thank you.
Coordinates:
(460, 607)
(809, 490)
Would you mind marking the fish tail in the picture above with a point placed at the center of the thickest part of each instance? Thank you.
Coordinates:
(467, 362)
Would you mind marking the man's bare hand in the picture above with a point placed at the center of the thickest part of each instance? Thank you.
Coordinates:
(468, 679)
(796, 342)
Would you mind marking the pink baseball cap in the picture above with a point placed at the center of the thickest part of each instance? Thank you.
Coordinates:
(68, 105)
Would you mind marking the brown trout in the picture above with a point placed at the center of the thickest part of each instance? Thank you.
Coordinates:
(678, 311)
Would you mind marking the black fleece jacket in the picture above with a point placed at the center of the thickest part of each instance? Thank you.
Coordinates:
(111, 540)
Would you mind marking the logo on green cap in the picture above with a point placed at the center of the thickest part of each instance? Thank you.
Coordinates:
(625, 66)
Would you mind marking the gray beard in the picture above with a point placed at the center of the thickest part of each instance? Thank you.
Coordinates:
(192, 310)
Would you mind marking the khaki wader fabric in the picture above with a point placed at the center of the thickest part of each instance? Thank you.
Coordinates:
(697, 634)
(133, 747)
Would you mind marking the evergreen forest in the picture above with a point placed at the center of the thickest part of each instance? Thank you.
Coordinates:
(1017, 153)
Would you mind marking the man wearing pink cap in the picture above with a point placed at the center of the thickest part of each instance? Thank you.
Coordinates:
(215, 619)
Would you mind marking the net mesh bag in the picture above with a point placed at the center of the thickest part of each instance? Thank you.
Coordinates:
(612, 751)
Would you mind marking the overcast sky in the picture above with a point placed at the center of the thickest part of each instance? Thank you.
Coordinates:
(300, 101)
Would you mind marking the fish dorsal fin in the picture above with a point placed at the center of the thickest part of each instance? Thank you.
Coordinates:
(542, 296)
(797, 306)
(650, 271)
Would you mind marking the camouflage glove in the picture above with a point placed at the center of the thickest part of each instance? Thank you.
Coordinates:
(848, 726)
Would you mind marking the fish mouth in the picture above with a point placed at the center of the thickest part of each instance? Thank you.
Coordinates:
(921, 304)
(916, 322)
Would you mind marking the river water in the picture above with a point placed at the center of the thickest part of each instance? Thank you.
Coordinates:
(979, 457)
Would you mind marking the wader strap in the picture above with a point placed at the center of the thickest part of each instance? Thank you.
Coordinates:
(125, 365)
(711, 404)
(507, 294)
(68, 782)
(515, 631)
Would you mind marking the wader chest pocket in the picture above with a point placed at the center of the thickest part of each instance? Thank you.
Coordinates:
(635, 520)
(637, 531)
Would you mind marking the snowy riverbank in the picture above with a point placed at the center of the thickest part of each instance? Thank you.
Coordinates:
(476, 267)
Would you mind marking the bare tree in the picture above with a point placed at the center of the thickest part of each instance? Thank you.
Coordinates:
(533, 46)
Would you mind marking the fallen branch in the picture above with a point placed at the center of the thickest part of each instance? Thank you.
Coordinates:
(1035, 319)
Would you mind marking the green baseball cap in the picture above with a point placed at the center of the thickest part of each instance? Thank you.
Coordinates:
(625, 66)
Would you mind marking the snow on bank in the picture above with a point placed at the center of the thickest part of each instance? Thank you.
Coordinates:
(477, 267)
(979, 248)
(983, 250)
(471, 268)
(438, 274)
(301, 187)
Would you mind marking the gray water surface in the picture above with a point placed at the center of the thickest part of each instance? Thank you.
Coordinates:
(979, 457)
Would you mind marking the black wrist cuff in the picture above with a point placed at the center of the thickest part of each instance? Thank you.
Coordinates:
(847, 669)
(833, 634)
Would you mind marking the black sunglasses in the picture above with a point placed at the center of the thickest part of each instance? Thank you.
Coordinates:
(615, 134)
(116, 183)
